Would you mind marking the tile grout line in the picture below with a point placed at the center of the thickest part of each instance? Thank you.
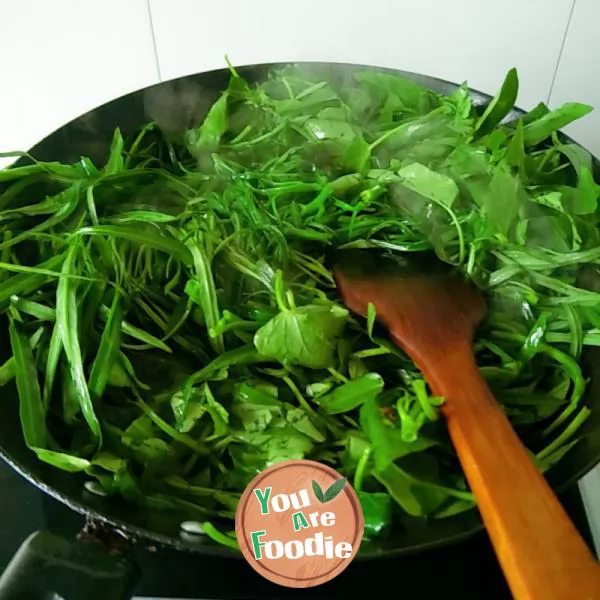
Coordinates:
(154, 45)
(560, 52)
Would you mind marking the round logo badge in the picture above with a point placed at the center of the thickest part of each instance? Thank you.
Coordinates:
(299, 523)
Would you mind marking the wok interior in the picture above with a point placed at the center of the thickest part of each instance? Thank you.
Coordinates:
(176, 105)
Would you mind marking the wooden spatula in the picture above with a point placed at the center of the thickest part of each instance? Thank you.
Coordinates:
(432, 313)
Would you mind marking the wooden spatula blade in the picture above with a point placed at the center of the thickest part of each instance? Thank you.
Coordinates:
(432, 313)
(426, 307)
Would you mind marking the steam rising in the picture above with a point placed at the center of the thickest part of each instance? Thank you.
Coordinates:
(178, 106)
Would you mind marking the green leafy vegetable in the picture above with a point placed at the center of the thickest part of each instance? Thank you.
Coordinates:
(538, 130)
(377, 513)
(439, 188)
(67, 319)
(352, 394)
(388, 440)
(304, 336)
(500, 105)
(175, 328)
(32, 411)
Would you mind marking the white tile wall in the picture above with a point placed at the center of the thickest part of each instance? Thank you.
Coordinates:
(63, 57)
(60, 58)
(578, 74)
(459, 40)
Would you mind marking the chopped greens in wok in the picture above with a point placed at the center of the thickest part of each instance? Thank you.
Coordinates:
(175, 328)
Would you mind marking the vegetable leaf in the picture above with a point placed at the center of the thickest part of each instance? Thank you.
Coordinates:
(207, 136)
(33, 416)
(387, 440)
(500, 105)
(303, 336)
(427, 183)
(539, 129)
(67, 320)
(352, 394)
(377, 513)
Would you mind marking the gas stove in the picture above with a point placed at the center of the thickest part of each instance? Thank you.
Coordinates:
(469, 569)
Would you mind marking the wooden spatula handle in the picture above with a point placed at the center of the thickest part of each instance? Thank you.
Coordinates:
(540, 550)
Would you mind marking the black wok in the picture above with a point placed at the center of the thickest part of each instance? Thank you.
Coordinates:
(98, 564)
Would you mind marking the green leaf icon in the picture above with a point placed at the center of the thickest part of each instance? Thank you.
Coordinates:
(333, 490)
(318, 491)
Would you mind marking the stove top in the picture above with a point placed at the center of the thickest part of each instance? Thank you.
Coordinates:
(469, 569)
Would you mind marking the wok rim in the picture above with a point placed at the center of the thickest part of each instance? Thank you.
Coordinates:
(148, 537)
